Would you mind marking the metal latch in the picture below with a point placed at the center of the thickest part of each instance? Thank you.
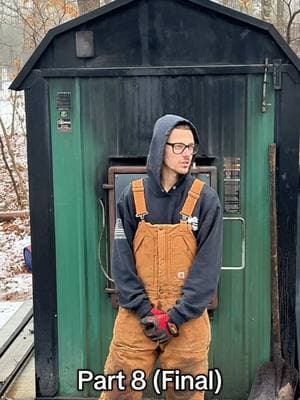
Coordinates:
(264, 103)
(277, 71)
(108, 186)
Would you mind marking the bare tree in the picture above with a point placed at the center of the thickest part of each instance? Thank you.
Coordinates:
(284, 14)
(19, 187)
(24, 23)
(35, 17)
(291, 35)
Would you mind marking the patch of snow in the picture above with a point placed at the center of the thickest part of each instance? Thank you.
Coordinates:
(15, 279)
(7, 309)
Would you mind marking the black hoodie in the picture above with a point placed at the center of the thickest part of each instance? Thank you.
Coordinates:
(164, 208)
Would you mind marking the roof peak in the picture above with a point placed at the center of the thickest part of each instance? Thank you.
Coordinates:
(268, 28)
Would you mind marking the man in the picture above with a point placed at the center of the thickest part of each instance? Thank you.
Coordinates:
(166, 263)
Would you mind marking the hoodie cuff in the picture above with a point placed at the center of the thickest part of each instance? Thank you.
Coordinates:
(176, 317)
(179, 318)
(144, 309)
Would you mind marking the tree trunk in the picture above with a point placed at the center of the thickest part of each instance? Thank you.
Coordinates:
(266, 10)
(13, 161)
(10, 172)
(9, 215)
(84, 6)
(280, 22)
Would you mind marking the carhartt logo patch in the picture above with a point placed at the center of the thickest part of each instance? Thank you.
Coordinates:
(194, 222)
(181, 275)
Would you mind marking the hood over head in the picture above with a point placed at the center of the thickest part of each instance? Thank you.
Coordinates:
(162, 128)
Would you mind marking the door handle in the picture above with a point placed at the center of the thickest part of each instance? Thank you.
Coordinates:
(243, 248)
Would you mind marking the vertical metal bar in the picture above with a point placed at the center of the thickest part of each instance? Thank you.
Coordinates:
(264, 90)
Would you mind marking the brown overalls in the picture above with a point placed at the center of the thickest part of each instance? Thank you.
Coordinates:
(163, 255)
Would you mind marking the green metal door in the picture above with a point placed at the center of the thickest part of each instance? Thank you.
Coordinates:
(242, 323)
(107, 117)
(85, 315)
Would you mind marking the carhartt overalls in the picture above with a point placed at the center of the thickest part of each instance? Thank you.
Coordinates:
(163, 255)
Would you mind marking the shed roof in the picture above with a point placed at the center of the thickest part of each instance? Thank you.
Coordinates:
(251, 22)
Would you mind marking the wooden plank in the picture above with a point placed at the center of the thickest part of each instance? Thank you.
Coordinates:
(23, 386)
(13, 326)
(8, 215)
(15, 355)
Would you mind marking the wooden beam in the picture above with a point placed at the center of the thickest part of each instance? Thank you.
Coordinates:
(8, 215)
(15, 356)
(14, 325)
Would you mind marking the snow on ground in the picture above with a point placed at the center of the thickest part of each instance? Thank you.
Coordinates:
(7, 309)
(15, 279)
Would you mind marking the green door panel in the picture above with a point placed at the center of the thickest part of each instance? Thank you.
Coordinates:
(84, 312)
(234, 243)
(242, 322)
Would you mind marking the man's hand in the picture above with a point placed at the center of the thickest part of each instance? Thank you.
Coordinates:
(158, 326)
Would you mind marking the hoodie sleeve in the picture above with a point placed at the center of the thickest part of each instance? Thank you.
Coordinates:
(203, 278)
(130, 288)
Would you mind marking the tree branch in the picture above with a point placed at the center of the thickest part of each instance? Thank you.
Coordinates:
(289, 26)
(8, 145)
(7, 166)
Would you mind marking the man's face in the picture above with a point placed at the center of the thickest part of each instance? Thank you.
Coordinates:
(179, 163)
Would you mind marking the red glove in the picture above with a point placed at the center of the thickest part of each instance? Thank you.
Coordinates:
(158, 326)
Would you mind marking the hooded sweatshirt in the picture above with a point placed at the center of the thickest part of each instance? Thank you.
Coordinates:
(164, 208)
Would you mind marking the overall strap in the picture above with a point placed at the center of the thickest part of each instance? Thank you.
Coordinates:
(139, 198)
(192, 198)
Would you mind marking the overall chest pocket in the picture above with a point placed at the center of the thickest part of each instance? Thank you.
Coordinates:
(145, 259)
(182, 252)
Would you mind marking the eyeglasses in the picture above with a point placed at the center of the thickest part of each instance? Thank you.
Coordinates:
(179, 148)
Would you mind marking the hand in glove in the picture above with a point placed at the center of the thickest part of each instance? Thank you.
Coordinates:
(158, 326)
